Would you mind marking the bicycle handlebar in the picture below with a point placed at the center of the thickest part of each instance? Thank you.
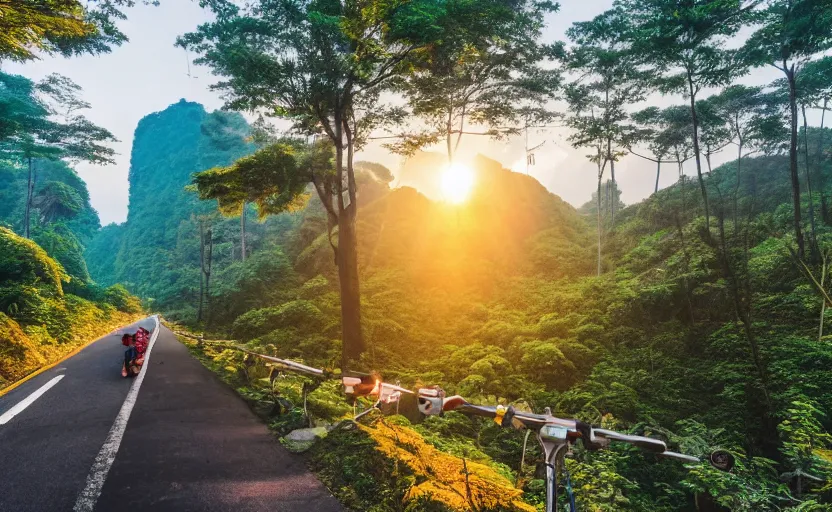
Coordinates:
(556, 430)
(551, 429)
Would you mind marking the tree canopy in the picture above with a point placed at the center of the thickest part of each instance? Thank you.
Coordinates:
(63, 27)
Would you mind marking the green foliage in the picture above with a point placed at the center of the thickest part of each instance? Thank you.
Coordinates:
(389, 466)
(118, 296)
(789, 30)
(495, 299)
(61, 243)
(23, 261)
(300, 314)
(64, 27)
(56, 200)
(39, 322)
(486, 72)
(43, 120)
(275, 178)
(804, 438)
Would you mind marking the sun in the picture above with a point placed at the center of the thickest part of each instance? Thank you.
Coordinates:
(457, 182)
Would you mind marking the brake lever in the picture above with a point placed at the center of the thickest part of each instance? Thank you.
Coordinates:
(372, 386)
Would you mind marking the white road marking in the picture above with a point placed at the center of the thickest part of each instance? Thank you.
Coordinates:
(29, 400)
(104, 461)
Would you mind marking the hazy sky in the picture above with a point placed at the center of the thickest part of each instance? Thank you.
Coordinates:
(148, 74)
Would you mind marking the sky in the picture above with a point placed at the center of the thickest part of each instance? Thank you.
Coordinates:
(148, 74)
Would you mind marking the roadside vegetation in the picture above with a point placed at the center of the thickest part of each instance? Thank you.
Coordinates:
(40, 322)
(698, 315)
(49, 304)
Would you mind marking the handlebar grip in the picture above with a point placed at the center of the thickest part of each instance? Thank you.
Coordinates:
(680, 456)
(477, 410)
(645, 443)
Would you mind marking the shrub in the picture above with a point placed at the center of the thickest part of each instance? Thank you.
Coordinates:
(23, 261)
(118, 296)
(300, 314)
(18, 354)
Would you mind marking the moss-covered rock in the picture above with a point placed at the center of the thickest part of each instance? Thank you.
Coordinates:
(302, 439)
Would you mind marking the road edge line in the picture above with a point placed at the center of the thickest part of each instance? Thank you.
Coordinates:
(104, 460)
(37, 372)
(29, 400)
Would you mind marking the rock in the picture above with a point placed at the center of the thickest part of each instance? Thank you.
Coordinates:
(302, 439)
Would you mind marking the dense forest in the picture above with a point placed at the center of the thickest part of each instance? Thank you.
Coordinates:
(517, 313)
(156, 252)
(697, 315)
(49, 304)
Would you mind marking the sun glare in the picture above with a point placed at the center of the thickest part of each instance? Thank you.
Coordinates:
(457, 182)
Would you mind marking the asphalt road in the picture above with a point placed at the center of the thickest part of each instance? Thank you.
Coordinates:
(190, 442)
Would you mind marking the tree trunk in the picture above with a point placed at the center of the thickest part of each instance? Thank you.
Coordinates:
(696, 152)
(208, 260)
(243, 234)
(600, 175)
(201, 270)
(607, 202)
(682, 187)
(613, 192)
(823, 301)
(798, 230)
(449, 138)
(824, 213)
(658, 173)
(350, 290)
(351, 333)
(30, 192)
(813, 247)
(737, 187)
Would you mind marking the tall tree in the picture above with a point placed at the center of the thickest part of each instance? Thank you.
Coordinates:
(744, 110)
(648, 133)
(206, 258)
(604, 62)
(791, 32)
(323, 65)
(588, 130)
(42, 121)
(804, 98)
(226, 136)
(683, 42)
(815, 85)
(667, 135)
(64, 27)
(484, 78)
(714, 130)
